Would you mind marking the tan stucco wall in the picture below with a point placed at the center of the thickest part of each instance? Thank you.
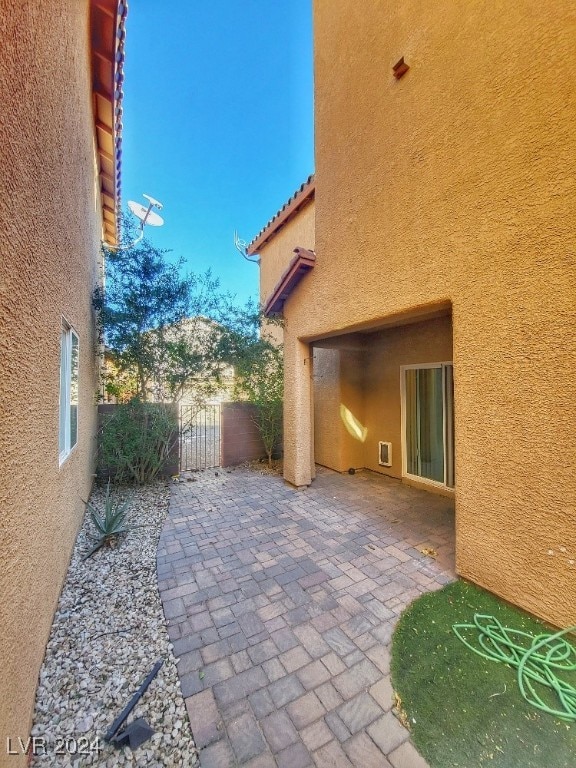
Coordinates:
(326, 409)
(428, 342)
(456, 184)
(338, 407)
(352, 394)
(276, 255)
(49, 242)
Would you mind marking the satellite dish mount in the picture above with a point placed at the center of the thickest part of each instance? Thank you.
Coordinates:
(242, 247)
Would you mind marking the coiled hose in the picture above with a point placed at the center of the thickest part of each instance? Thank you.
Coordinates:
(538, 661)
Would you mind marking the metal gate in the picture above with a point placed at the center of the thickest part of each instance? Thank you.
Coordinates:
(200, 437)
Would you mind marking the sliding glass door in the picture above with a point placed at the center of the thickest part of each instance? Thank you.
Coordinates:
(428, 423)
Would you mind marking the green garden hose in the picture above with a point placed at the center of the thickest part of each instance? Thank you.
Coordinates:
(538, 661)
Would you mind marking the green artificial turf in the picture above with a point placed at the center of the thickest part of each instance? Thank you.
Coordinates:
(465, 711)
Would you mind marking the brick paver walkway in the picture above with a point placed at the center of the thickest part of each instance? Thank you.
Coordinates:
(281, 605)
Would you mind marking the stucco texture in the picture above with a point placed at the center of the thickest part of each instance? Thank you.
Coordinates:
(455, 186)
(50, 229)
(276, 254)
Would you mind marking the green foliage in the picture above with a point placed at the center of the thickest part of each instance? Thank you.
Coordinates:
(166, 335)
(259, 374)
(465, 710)
(260, 380)
(121, 386)
(154, 322)
(136, 440)
(109, 524)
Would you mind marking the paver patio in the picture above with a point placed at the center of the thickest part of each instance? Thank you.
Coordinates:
(281, 604)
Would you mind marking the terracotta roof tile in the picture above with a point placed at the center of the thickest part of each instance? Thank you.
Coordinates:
(108, 34)
(299, 199)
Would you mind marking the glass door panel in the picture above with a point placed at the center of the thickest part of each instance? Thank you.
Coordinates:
(449, 424)
(428, 411)
(431, 424)
(412, 454)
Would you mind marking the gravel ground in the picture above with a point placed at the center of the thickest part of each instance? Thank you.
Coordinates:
(108, 631)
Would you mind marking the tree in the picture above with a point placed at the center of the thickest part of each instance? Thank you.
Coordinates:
(165, 331)
(154, 322)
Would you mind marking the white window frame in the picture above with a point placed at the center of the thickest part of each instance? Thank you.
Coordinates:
(66, 441)
(405, 473)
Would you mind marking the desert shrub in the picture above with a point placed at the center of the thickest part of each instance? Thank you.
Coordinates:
(110, 523)
(136, 440)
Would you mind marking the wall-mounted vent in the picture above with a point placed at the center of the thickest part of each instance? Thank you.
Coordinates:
(385, 454)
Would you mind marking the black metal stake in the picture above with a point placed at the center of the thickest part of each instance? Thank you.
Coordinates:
(116, 725)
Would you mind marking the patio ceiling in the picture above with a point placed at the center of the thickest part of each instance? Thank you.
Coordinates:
(357, 336)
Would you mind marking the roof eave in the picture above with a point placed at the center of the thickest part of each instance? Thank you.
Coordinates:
(299, 266)
(107, 34)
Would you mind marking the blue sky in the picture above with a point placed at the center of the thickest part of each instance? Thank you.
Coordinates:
(218, 122)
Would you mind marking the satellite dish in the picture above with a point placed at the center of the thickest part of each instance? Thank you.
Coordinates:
(145, 214)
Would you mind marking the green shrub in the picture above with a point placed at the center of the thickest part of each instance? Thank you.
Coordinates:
(136, 440)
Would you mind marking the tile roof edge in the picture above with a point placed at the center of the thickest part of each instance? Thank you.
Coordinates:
(304, 194)
(118, 9)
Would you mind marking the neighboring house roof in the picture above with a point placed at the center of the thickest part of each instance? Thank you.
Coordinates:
(299, 199)
(108, 33)
(301, 264)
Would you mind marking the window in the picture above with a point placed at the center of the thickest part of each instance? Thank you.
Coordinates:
(68, 436)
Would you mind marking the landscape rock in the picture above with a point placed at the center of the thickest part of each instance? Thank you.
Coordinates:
(108, 631)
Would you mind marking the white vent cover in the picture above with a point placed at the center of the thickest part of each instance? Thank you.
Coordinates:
(385, 454)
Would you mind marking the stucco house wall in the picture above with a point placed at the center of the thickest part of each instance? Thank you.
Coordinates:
(337, 393)
(292, 227)
(387, 350)
(50, 233)
(275, 248)
(454, 187)
(276, 254)
(326, 409)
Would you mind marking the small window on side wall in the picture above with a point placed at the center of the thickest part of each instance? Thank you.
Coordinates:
(68, 436)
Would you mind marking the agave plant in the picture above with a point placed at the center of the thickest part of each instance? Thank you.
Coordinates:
(110, 524)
